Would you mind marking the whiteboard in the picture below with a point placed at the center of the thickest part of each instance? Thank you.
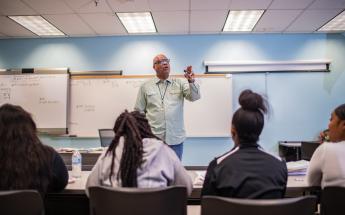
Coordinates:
(42, 95)
(96, 102)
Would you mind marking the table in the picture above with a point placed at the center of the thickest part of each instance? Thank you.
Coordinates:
(295, 185)
(74, 201)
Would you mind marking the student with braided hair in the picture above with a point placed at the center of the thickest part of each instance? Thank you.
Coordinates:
(137, 158)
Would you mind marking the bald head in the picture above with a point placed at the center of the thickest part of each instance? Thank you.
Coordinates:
(158, 57)
(161, 64)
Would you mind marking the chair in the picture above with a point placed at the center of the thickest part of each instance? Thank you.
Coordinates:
(332, 200)
(138, 201)
(307, 149)
(211, 205)
(106, 136)
(21, 202)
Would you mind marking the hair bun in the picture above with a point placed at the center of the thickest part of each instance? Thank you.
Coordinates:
(252, 101)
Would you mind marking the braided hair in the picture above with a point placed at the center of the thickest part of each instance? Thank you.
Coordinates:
(133, 127)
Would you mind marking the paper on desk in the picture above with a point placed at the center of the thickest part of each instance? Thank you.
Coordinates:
(199, 179)
(297, 167)
(96, 149)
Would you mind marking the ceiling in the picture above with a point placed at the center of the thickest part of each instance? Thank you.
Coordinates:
(83, 18)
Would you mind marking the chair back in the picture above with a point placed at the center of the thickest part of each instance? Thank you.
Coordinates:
(307, 149)
(211, 205)
(138, 201)
(106, 136)
(332, 200)
(21, 202)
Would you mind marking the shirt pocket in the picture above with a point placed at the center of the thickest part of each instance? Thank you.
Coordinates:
(175, 96)
(152, 97)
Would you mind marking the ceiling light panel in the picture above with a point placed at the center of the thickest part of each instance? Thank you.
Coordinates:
(336, 24)
(38, 25)
(137, 22)
(242, 20)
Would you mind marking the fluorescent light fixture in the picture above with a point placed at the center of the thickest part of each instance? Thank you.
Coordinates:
(336, 24)
(242, 20)
(221, 67)
(137, 22)
(38, 25)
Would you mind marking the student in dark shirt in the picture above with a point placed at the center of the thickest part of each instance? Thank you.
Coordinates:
(247, 171)
(25, 163)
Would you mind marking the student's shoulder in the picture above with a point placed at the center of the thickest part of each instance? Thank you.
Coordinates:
(154, 146)
(50, 150)
(271, 156)
(330, 147)
(227, 156)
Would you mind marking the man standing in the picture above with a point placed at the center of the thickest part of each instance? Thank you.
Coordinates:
(162, 98)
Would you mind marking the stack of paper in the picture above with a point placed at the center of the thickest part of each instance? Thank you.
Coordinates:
(297, 167)
(198, 180)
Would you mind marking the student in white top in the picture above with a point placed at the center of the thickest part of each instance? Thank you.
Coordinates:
(137, 158)
(327, 165)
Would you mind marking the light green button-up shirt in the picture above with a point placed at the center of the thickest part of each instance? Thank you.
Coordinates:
(162, 102)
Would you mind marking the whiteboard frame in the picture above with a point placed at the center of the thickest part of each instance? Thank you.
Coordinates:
(30, 71)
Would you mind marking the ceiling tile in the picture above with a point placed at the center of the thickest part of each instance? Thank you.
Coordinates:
(87, 6)
(15, 7)
(209, 4)
(169, 5)
(11, 28)
(276, 20)
(129, 6)
(70, 24)
(328, 4)
(249, 4)
(311, 20)
(290, 4)
(104, 23)
(171, 21)
(208, 21)
(48, 6)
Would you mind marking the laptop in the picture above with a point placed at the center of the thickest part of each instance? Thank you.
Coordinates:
(106, 136)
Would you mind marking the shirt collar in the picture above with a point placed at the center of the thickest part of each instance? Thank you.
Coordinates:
(249, 145)
(157, 80)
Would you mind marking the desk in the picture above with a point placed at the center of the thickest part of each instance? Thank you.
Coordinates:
(88, 159)
(73, 199)
(295, 185)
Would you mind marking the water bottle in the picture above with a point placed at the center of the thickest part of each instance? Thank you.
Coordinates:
(76, 164)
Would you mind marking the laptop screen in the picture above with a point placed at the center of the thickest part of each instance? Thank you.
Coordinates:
(106, 136)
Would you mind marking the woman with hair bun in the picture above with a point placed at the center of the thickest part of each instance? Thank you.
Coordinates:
(247, 171)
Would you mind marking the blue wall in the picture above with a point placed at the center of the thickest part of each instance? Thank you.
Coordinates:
(301, 102)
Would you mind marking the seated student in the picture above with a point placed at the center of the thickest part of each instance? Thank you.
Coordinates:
(247, 171)
(25, 163)
(137, 158)
(327, 165)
